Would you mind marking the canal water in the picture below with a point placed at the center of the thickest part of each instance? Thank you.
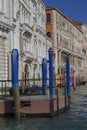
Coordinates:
(73, 119)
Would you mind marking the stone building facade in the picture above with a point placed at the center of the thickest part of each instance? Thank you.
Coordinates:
(83, 28)
(6, 27)
(67, 40)
(22, 26)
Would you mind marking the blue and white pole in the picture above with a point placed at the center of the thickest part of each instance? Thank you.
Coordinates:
(68, 74)
(44, 75)
(14, 61)
(51, 71)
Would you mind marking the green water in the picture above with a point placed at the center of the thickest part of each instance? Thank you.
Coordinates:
(74, 119)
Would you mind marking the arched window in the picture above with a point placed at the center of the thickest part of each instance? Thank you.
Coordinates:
(49, 34)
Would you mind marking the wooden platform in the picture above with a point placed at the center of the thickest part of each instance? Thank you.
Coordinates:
(35, 105)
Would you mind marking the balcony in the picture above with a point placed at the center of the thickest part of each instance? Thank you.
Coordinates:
(78, 52)
(41, 30)
(28, 57)
(27, 29)
(4, 23)
(67, 48)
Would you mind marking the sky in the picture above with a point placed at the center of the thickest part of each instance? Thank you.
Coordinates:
(75, 9)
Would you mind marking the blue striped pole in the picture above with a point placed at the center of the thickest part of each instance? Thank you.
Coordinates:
(14, 61)
(68, 75)
(51, 71)
(44, 75)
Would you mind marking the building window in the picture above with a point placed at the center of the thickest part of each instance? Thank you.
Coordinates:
(57, 39)
(58, 70)
(63, 71)
(2, 5)
(48, 18)
(49, 34)
(21, 42)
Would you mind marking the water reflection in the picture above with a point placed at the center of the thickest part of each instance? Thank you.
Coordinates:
(74, 119)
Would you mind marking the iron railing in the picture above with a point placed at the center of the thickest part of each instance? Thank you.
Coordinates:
(29, 86)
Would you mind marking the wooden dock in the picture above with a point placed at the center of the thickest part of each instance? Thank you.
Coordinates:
(35, 105)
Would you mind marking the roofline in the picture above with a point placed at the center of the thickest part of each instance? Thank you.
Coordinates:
(43, 3)
(71, 21)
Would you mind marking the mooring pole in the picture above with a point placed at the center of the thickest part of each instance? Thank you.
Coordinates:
(51, 71)
(51, 87)
(44, 75)
(68, 78)
(68, 75)
(15, 88)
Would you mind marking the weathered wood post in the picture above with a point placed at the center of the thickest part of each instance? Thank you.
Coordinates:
(15, 87)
